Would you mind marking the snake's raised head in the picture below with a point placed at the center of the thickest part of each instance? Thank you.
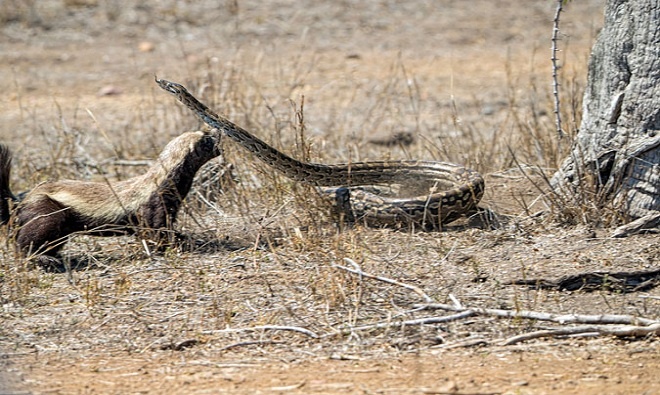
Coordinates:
(172, 87)
(199, 108)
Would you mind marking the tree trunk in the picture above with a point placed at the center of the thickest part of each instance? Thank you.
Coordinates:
(617, 150)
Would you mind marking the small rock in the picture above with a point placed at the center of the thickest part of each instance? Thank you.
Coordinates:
(146, 46)
(109, 90)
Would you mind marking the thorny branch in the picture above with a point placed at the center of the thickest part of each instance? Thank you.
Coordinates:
(555, 67)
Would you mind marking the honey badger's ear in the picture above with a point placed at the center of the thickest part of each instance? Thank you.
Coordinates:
(208, 130)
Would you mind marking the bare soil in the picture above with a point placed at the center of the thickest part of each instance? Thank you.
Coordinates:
(471, 84)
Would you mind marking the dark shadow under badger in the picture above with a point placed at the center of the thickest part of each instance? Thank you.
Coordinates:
(148, 203)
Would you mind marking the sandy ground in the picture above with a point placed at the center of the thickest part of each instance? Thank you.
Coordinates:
(81, 72)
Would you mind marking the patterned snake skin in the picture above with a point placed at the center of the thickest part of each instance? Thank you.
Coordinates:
(441, 192)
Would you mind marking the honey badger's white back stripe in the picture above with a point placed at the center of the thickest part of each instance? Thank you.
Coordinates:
(110, 202)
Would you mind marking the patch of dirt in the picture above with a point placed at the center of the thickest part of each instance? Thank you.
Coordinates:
(230, 314)
(569, 367)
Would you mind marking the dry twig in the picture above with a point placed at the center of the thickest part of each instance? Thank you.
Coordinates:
(619, 331)
(361, 273)
(603, 324)
(559, 318)
(417, 321)
(264, 328)
(627, 325)
(248, 343)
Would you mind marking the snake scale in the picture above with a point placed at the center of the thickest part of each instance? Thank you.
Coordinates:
(441, 191)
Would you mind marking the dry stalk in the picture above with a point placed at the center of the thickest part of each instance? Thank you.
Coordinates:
(361, 273)
(412, 322)
(304, 331)
(555, 67)
(249, 343)
(559, 318)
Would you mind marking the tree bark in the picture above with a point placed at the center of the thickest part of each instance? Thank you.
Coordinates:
(617, 149)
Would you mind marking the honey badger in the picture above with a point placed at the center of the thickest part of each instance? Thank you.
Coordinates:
(50, 212)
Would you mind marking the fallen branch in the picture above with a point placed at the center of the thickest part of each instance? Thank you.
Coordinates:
(265, 328)
(619, 331)
(626, 325)
(248, 343)
(361, 273)
(416, 321)
(647, 223)
(559, 318)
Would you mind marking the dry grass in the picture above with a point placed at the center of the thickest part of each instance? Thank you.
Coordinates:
(263, 251)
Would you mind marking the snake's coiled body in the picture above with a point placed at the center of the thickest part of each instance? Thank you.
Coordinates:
(441, 192)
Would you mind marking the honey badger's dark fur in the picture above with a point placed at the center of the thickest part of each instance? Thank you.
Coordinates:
(54, 210)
